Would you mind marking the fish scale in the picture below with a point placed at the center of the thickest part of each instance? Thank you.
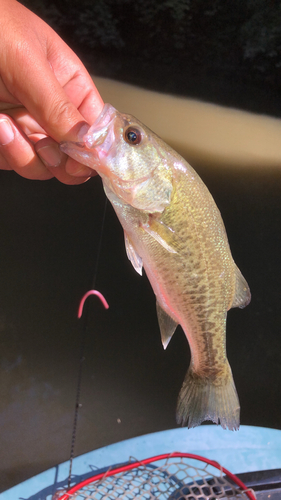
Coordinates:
(194, 288)
(174, 230)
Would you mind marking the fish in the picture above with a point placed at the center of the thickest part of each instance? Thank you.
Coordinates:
(174, 231)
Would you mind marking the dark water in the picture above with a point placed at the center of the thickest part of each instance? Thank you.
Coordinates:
(174, 76)
(49, 239)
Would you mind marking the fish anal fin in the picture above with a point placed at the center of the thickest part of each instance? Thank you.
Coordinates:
(133, 255)
(242, 295)
(166, 324)
(161, 233)
(212, 399)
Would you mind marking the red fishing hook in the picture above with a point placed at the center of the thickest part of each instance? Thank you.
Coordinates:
(91, 292)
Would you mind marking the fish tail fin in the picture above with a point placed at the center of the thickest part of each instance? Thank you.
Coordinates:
(203, 398)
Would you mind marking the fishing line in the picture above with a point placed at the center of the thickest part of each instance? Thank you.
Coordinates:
(78, 405)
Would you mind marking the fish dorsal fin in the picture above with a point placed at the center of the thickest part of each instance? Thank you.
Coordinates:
(161, 233)
(133, 255)
(167, 325)
(242, 295)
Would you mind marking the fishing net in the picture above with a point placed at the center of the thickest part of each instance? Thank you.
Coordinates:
(175, 476)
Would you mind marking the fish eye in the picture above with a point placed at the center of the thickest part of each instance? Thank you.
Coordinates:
(132, 135)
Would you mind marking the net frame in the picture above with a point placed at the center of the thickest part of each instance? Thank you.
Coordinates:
(243, 490)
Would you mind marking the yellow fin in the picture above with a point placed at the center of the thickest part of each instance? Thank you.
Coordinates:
(166, 324)
(203, 399)
(161, 233)
(242, 295)
(133, 255)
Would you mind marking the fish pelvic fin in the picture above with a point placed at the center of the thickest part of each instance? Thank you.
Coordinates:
(166, 324)
(213, 399)
(133, 255)
(242, 296)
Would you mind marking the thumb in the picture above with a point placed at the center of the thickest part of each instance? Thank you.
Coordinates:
(41, 72)
(50, 102)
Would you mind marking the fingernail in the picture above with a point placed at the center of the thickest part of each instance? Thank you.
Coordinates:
(6, 132)
(82, 131)
(50, 155)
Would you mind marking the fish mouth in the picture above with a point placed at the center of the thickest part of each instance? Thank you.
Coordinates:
(86, 150)
(99, 130)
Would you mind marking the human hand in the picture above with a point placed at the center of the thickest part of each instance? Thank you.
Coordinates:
(46, 96)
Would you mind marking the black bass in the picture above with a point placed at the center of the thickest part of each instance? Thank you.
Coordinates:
(174, 230)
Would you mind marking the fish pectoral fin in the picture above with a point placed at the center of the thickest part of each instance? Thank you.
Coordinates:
(133, 255)
(161, 233)
(167, 325)
(242, 296)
